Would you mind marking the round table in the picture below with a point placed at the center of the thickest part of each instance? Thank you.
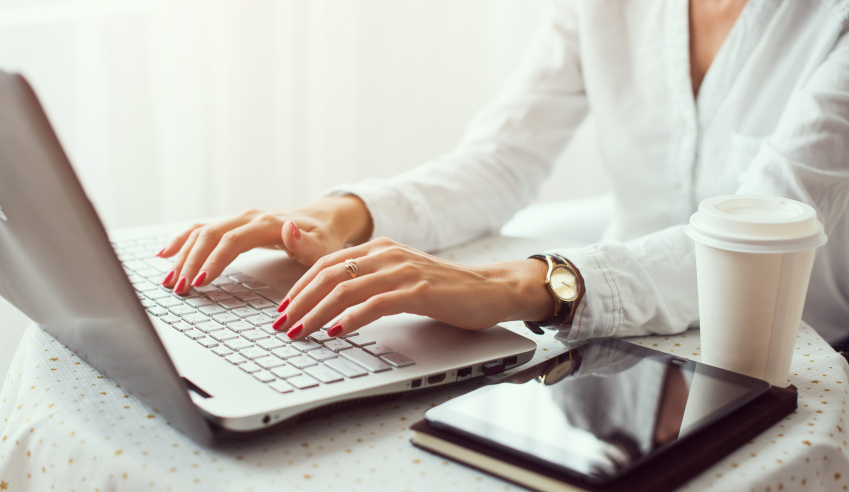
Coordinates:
(65, 427)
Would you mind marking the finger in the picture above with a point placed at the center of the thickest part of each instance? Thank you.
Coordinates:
(376, 307)
(341, 297)
(228, 248)
(175, 244)
(322, 285)
(174, 279)
(329, 260)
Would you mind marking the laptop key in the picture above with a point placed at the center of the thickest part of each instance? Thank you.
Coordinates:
(222, 351)
(226, 318)
(348, 368)
(302, 382)
(324, 374)
(217, 295)
(157, 310)
(301, 361)
(285, 372)
(286, 352)
(271, 343)
(254, 335)
(232, 303)
(206, 289)
(212, 310)
(181, 326)
(240, 326)
(223, 335)
(359, 340)
(320, 336)
(170, 319)
(208, 342)
(305, 345)
(194, 334)
(398, 360)
(365, 359)
(195, 318)
(238, 344)
(247, 296)
(377, 349)
(209, 326)
(269, 362)
(281, 387)
(253, 352)
(182, 310)
(165, 301)
(264, 376)
(259, 320)
(272, 295)
(261, 303)
(199, 302)
(337, 345)
(322, 354)
(250, 367)
(244, 311)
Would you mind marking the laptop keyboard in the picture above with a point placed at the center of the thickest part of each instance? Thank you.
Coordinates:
(232, 317)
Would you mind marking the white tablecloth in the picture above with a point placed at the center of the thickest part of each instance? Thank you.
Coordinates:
(65, 427)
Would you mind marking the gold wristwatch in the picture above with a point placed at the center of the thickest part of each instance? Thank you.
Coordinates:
(566, 286)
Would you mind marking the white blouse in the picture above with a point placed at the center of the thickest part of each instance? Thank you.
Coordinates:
(771, 117)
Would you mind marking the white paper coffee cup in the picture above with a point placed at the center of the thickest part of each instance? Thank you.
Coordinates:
(754, 256)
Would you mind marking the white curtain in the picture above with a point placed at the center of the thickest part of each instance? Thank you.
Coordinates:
(172, 110)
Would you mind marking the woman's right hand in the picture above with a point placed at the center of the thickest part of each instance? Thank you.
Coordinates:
(203, 251)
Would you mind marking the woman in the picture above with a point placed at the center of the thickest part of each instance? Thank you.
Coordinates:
(691, 101)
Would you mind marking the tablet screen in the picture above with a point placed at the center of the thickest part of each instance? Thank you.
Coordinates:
(599, 410)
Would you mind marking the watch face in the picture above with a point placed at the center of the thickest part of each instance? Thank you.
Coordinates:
(564, 284)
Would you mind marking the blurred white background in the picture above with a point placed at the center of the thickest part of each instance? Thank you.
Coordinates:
(172, 110)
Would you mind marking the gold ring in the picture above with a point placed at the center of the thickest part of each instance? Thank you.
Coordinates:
(352, 268)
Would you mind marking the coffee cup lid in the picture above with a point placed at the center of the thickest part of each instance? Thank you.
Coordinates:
(756, 224)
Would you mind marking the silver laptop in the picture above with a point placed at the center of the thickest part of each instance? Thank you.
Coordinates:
(209, 362)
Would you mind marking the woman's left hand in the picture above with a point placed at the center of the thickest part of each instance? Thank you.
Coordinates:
(392, 278)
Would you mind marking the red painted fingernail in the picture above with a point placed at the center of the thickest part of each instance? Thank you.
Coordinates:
(280, 321)
(296, 232)
(168, 277)
(161, 251)
(335, 330)
(199, 279)
(296, 330)
(181, 284)
(283, 304)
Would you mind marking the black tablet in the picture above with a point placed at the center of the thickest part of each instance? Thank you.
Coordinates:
(599, 410)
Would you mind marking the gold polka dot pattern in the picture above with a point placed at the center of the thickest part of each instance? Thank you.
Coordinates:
(65, 427)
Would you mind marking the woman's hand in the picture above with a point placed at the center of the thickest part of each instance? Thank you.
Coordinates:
(392, 278)
(203, 251)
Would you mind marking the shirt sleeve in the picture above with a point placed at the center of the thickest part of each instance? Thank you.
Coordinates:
(648, 285)
(506, 153)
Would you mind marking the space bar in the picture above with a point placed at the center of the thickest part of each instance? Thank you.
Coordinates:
(366, 360)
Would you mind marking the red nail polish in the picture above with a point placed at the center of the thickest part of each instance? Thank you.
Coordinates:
(296, 232)
(296, 330)
(280, 321)
(335, 330)
(283, 304)
(168, 277)
(160, 252)
(181, 284)
(199, 279)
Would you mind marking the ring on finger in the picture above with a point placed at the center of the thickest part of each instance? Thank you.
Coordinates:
(352, 268)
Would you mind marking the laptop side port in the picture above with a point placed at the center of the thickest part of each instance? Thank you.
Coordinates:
(464, 372)
(509, 361)
(415, 383)
(437, 378)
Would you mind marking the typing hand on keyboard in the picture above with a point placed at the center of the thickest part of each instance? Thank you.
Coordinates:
(201, 253)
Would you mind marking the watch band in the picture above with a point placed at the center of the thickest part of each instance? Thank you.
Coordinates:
(561, 316)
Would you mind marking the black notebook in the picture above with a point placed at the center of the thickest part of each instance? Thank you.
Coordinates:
(604, 390)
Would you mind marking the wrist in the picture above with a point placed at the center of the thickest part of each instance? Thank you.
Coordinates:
(520, 286)
(346, 216)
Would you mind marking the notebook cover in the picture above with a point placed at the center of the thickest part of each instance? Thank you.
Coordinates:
(666, 471)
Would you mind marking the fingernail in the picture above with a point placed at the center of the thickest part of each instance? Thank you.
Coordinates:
(168, 277)
(296, 330)
(181, 284)
(283, 304)
(199, 279)
(280, 321)
(296, 232)
(161, 251)
(335, 330)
